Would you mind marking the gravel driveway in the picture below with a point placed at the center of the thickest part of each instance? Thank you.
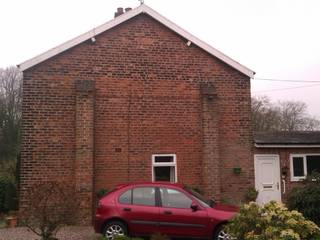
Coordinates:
(67, 233)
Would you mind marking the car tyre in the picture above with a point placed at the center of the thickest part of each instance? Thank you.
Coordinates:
(221, 234)
(113, 229)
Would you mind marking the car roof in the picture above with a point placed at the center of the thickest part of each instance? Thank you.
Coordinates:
(158, 183)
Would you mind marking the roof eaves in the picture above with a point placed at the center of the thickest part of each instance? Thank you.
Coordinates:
(77, 40)
(248, 72)
(124, 17)
(282, 145)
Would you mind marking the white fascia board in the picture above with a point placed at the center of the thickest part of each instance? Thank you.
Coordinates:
(82, 38)
(124, 17)
(286, 146)
(246, 71)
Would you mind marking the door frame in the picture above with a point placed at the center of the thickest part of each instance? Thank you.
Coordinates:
(277, 158)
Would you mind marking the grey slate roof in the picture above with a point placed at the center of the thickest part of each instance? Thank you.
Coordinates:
(289, 138)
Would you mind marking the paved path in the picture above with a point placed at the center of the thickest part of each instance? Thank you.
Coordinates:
(67, 233)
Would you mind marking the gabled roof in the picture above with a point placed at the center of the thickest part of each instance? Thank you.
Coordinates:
(287, 139)
(124, 17)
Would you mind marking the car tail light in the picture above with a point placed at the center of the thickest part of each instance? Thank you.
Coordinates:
(99, 205)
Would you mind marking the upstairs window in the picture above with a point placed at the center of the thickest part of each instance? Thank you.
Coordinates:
(164, 167)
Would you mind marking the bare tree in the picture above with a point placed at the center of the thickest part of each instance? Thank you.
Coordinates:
(52, 205)
(311, 124)
(281, 116)
(10, 112)
(265, 116)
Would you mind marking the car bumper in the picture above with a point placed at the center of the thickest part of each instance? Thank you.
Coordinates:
(98, 223)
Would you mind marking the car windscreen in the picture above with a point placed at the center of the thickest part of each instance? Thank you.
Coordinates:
(201, 199)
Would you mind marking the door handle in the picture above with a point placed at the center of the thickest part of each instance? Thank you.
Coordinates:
(127, 209)
(278, 185)
(167, 212)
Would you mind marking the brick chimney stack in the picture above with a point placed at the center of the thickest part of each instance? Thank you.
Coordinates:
(118, 12)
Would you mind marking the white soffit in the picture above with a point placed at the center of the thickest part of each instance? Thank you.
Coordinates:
(287, 145)
(124, 17)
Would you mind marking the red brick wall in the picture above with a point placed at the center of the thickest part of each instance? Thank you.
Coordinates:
(147, 101)
(284, 155)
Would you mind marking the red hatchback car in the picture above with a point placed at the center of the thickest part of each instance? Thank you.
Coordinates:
(142, 209)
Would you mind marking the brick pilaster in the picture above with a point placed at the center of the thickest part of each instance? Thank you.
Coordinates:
(84, 148)
(210, 159)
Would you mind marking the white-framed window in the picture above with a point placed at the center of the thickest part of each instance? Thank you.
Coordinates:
(164, 167)
(303, 164)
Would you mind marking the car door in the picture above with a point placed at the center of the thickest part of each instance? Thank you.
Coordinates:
(176, 217)
(138, 208)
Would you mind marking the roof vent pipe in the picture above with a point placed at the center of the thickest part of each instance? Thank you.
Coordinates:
(128, 9)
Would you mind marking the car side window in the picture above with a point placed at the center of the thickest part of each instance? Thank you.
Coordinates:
(172, 198)
(144, 196)
(125, 198)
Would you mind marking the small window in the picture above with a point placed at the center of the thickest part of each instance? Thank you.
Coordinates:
(164, 167)
(172, 198)
(144, 196)
(125, 197)
(303, 165)
(298, 170)
(313, 163)
(164, 174)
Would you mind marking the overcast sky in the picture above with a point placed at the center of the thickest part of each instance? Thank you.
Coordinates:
(278, 39)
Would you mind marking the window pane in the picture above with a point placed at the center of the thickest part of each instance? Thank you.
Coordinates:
(163, 159)
(125, 198)
(162, 174)
(313, 164)
(174, 199)
(298, 166)
(144, 196)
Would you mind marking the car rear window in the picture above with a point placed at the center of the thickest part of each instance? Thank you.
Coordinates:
(125, 198)
(144, 196)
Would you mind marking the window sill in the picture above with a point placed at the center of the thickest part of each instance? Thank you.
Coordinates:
(298, 179)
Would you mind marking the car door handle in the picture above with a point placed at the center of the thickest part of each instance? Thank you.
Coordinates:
(127, 209)
(167, 212)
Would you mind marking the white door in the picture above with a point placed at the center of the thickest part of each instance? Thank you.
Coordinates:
(267, 178)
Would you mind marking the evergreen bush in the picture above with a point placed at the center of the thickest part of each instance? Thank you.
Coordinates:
(8, 195)
(306, 199)
(272, 221)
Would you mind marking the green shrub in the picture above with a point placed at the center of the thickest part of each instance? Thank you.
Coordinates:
(273, 221)
(307, 199)
(251, 195)
(101, 192)
(8, 194)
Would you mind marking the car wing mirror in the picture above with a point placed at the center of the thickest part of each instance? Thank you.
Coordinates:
(212, 202)
(194, 207)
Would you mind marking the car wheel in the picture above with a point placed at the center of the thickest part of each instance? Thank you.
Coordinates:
(114, 228)
(221, 234)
